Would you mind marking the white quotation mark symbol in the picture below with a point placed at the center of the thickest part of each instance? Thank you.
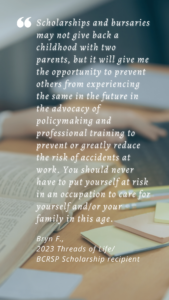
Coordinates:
(21, 23)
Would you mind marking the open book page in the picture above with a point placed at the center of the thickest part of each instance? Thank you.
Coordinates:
(17, 230)
(46, 231)
(21, 176)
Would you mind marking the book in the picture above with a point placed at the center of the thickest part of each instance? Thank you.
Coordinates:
(145, 226)
(162, 213)
(116, 242)
(22, 180)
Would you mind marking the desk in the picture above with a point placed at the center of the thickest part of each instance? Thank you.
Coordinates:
(148, 279)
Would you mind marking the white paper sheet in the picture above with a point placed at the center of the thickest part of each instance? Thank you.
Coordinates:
(31, 284)
(166, 297)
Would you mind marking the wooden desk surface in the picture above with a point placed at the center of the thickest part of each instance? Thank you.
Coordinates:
(148, 279)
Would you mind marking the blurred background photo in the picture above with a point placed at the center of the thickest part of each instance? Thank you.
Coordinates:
(17, 48)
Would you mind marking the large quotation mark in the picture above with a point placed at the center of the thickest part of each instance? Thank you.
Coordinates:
(21, 23)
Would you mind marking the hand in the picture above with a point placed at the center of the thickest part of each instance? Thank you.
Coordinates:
(24, 123)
